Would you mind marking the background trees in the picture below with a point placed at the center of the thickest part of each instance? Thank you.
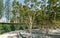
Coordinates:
(33, 14)
(1, 8)
(7, 9)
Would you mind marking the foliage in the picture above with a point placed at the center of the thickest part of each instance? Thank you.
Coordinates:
(1, 8)
(33, 14)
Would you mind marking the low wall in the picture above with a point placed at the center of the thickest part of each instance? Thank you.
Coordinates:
(35, 33)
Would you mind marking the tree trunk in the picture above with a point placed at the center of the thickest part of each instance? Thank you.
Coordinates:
(30, 23)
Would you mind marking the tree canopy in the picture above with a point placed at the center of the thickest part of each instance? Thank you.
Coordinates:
(33, 14)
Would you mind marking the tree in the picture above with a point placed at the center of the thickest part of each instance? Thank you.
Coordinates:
(8, 12)
(15, 11)
(52, 11)
(1, 8)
